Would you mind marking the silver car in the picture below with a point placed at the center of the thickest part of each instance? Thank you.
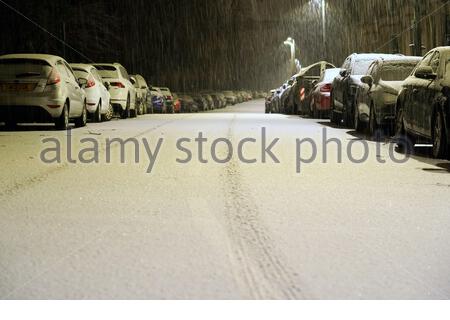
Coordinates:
(40, 88)
(376, 96)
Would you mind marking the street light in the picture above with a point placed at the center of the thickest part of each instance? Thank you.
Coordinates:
(324, 27)
(291, 43)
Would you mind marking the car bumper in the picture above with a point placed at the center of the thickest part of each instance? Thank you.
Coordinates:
(31, 108)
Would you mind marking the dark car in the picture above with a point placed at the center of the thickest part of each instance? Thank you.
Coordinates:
(187, 103)
(299, 98)
(376, 97)
(345, 86)
(423, 106)
(210, 101)
(158, 101)
(269, 101)
(201, 102)
(169, 99)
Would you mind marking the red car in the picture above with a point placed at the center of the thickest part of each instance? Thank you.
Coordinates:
(176, 103)
(321, 94)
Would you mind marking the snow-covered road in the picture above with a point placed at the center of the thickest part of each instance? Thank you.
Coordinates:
(221, 231)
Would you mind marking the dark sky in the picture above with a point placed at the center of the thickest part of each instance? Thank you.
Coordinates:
(187, 44)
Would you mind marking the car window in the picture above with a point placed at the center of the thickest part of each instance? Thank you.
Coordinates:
(396, 71)
(20, 68)
(373, 70)
(434, 63)
(96, 75)
(426, 60)
(361, 67)
(447, 69)
(69, 72)
(124, 73)
(81, 73)
(108, 72)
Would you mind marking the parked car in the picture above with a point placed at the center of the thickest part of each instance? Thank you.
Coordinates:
(168, 98)
(187, 103)
(123, 92)
(98, 98)
(231, 97)
(143, 93)
(201, 102)
(320, 94)
(158, 101)
(284, 96)
(376, 97)
(276, 101)
(298, 100)
(176, 103)
(219, 100)
(40, 88)
(269, 105)
(210, 101)
(423, 107)
(345, 85)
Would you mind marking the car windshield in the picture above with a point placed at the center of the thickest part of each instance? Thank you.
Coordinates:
(396, 71)
(108, 72)
(79, 73)
(447, 70)
(24, 68)
(361, 67)
(330, 74)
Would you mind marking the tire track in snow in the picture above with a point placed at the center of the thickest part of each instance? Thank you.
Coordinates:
(264, 272)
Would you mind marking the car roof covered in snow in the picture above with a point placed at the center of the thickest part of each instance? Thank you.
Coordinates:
(400, 59)
(45, 57)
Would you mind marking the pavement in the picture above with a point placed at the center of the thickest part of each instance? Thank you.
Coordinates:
(284, 226)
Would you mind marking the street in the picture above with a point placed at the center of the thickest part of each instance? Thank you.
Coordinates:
(263, 230)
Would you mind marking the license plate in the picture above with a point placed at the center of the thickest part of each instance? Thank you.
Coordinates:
(17, 87)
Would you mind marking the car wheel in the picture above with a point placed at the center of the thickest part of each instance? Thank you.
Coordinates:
(62, 123)
(126, 113)
(98, 112)
(440, 147)
(373, 125)
(82, 120)
(405, 142)
(109, 114)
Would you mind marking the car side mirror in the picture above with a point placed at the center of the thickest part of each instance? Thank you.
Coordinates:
(343, 73)
(107, 85)
(82, 82)
(425, 73)
(367, 80)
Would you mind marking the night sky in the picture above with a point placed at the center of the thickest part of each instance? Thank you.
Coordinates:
(187, 44)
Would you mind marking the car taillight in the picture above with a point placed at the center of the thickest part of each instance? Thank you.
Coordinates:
(53, 78)
(118, 84)
(90, 83)
(325, 88)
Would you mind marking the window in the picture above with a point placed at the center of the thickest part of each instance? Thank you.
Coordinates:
(124, 73)
(435, 62)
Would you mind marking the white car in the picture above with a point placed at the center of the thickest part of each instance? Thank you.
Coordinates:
(98, 98)
(40, 88)
(123, 92)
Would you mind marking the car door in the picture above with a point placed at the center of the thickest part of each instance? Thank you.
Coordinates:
(104, 93)
(425, 95)
(412, 91)
(338, 86)
(71, 88)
